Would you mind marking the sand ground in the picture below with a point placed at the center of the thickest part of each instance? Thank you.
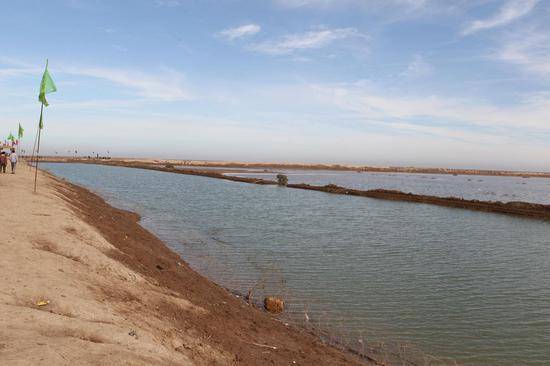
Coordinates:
(116, 295)
(50, 254)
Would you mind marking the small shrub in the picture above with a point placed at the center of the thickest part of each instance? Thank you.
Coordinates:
(169, 166)
(282, 179)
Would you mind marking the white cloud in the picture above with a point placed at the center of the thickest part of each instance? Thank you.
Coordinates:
(509, 12)
(14, 68)
(120, 48)
(406, 6)
(94, 105)
(13, 72)
(309, 40)
(275, 141)
(300, 3)
(14, 62)
(413, 3)
(169, 3)
(531, 113)
(326, 3)
(239, 32)
(418, 68)
(164, 86)
(331, 106)
(529, 50)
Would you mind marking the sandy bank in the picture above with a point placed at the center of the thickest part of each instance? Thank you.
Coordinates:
(117, 295)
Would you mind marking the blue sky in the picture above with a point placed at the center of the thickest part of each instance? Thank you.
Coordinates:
(384, 82)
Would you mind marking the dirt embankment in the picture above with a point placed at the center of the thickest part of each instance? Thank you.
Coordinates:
(510, 208)
(525, 209)
(246, 335)
(82, 283)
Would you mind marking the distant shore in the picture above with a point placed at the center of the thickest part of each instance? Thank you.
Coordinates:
(300, 166)
(517, 208)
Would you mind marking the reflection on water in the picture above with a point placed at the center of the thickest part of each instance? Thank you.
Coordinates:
(469, 285)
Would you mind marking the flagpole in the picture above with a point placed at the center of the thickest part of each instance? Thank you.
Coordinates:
(46, 86)
(38, 146)
(33, 150)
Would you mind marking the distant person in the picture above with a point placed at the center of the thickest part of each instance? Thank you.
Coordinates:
(13, 161)
(3, 161)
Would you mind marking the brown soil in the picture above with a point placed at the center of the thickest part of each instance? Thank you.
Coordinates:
(527, 209)
(244, 334)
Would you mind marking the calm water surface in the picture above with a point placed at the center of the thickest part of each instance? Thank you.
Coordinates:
(468, 285)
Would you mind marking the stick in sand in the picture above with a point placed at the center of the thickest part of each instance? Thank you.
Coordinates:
(38, 145)
(33, 150)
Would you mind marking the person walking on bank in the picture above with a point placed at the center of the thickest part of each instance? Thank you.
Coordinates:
(3, 162)
(13, 160)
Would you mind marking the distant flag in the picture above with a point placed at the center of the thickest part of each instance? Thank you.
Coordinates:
(46, 86)
(11, 138)
(20, 132)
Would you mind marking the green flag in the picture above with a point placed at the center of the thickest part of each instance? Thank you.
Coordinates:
(46, 86)
(11, 137)
(20, 132)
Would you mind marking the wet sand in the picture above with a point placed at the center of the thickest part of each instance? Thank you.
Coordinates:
(83, 283)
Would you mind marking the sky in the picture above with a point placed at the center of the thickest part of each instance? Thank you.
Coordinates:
(462, 83)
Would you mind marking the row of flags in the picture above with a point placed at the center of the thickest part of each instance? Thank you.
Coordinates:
(46, 86)
(12, 138)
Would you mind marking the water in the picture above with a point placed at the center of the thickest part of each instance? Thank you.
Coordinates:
(468, 285)
(486, 188)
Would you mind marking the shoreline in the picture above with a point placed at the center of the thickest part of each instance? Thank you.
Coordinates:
(300, 166)
(184, 317)
(516, 208)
